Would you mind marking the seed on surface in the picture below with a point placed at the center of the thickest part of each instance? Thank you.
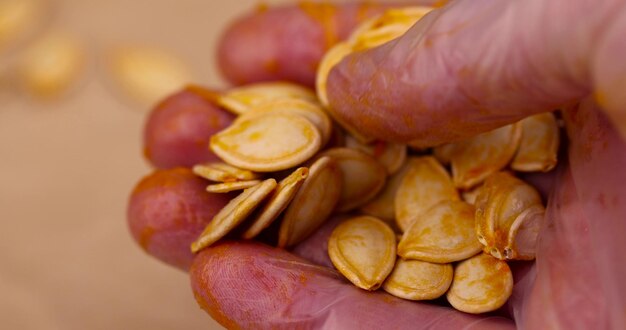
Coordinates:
(313, 203)
(267, 143)
(277, 202)
(383, 205)
(509, 214)
(390, 155)
(231, 186)
(18, 19)
(147, 74)
(307, 109)
(539, 144)
(363, 177)
(480, 284)
(443, 234)
(233, 214)
(52, 65)
(222, 172)
(245, 98)
(425, 184)
(476, 158)
(363, 249)
(418, 280)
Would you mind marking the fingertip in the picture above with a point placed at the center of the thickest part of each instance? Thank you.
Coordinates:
(288, 42)
(167, 210)
(178, 129)
(287, 45)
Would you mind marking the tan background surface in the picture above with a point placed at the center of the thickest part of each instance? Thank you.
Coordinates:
(66, 169)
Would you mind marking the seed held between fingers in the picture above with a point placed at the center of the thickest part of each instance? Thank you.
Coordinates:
(235, 212)
(310, 110)
(231, 186)
(313, 203)
(222, 172)
(241, 100)
(277, 202)
(267, 143)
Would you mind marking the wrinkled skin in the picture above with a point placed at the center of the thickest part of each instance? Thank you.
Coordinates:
(467, 67)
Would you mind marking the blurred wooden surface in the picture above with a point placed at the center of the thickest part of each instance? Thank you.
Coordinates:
(67, 260)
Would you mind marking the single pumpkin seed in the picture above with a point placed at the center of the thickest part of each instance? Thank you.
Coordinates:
(539, 144)
(425, 184)
(480, 284)
(418, 280)
(443, 234)
(509, 214)
(313, 203)
(222, 172)
(267, 143)
(225, 187)
(363, 249)
(476, 158)
(363, 177)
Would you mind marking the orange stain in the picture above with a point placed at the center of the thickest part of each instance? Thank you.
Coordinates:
(325, 14)
(147, 152)
(271, 66)
(440, 3)
(145, 237)
(163, 179)
(262, 7)
(379, 148)
(365, 10)
(203, 92)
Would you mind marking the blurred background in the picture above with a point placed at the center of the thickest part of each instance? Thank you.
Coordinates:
(77, 78)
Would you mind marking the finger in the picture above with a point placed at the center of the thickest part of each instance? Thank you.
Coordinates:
(597, 159)
(178, 129)
(247, 285)
(167, 211)
(472, 66)
(579, 282)
(287, 43)
(609, 72)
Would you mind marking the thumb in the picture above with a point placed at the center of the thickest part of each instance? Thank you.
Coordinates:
(253, 286)
(476, 65)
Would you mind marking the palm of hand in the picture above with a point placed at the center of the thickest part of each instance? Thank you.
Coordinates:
(575, 282)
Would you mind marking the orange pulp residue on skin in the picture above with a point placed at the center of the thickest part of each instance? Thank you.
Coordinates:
(325, 14)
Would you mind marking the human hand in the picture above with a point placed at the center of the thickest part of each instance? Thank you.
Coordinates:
(473, 65)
